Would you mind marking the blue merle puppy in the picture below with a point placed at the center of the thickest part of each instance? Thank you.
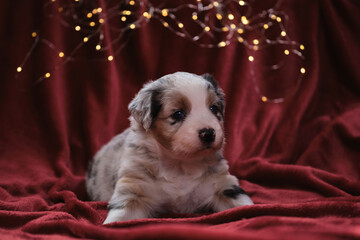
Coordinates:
(170, 159)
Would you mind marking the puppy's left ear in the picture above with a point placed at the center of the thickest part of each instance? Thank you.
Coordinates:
(208, 77)
(146, 105)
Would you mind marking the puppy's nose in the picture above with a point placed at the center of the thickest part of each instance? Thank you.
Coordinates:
(207, 135)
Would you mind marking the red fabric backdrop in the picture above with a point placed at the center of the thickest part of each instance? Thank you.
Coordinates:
(299, 160)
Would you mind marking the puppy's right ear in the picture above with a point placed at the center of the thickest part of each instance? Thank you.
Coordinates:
(146, 105)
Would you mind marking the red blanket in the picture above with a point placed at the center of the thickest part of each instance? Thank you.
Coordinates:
(298, 159)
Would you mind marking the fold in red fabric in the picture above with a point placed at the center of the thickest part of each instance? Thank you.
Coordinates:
(299, 159)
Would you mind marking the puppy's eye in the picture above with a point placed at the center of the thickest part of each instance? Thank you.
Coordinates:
(214, 109)
(178, 115)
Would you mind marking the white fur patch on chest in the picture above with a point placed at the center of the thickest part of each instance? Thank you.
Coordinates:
(184, 193)
(179, 193)
(179, 188)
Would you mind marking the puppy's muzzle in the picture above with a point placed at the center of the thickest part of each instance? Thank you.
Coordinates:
(207, 135)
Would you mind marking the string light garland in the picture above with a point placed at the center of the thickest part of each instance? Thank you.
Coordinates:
(219, 23)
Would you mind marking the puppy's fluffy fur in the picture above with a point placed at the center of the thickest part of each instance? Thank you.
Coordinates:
(170, 159)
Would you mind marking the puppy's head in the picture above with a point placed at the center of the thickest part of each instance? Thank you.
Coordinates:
(184, 112)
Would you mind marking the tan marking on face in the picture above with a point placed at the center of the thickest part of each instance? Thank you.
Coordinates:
(173, 101)
(212, 98)
(162, 129)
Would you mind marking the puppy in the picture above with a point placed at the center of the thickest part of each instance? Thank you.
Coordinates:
(170, 159)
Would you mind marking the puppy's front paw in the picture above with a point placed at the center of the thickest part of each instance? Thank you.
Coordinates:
(234, 191)
(123, 214)
(239, 195)
(230, 196)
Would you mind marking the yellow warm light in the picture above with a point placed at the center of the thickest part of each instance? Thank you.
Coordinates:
(266, 26)
(240, 31)
(98, 47)
(77, 28)
(19, 69)
(89, 15)
(264, 99)
(207, 28)
(283, 33)
(132, 26)
(240, 39)
(180, 25)
(33, 34)
(101, 20)
(287, 52)
(231, 16)
(147, 15)
(218, 16)
(251, 58)
(302, 47)
(123, 18)
(222, 44)
(132, 2)
(256, 42)
(244, 20)
(85, 39)
(241, 3)
(61, 54)
(92, 24)
(302, 70)
(194, 16)
(165, 12)
(47, 75)
(110, 58)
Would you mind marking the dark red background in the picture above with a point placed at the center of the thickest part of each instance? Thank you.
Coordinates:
(298, 160)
